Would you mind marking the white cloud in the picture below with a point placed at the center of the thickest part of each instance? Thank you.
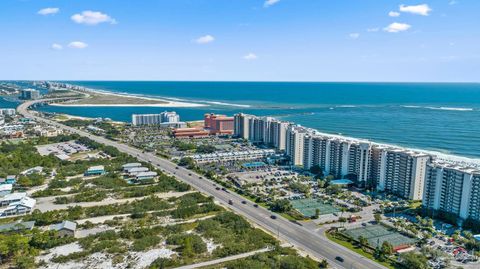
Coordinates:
(205, 39)
(92, 18)
(56, 46)
(397, 27)
(373, 29)
(250, 57)
(393, 14)
(269, 3)
(48, 11)
(77, 45)
(422, 9)
(354, 35)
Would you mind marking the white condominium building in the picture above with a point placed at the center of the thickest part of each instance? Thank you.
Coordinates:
(264, 130)
(403, 173)
(241, 125)
(155, 119)
(295, 139)
(279, 132)
(169, 117)
(338, 157)
(452, 189)
(359, 162)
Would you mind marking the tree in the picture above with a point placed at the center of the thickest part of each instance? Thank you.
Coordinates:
(378, 217)
(386, 249)
(323, 264)
(316, 170)
(187, 162)
(414, 260)
(187, 247)
(317, 213)
(362, 241)
(281, 206)
(206, 149)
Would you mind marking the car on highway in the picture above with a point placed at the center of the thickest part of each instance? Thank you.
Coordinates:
(244, 202)
(176, 167)
(200, 177)
(230, 202)
(255, 205)
(340, 259)
(273, 217)
(217, 188)
(190, 174)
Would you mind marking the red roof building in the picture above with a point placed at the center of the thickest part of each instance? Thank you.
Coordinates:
(218, 124)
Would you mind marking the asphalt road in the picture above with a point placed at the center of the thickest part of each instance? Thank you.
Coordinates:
(308, 240)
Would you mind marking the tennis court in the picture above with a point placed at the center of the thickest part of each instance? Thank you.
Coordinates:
(377, 234)
(308, 206)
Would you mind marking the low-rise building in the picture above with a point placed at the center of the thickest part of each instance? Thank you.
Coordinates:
(146, 175)
(7, 111)
(5, 189)
(135, 170)
(16, 226)
(12, 198)
(95, 171)
(233, 156)
(129, 166)
(22, 207)
(190, 133)
(33, 170)
(11, 179)
(180, 124)
(65, 228)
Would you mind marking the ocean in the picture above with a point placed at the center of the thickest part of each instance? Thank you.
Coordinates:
(439, 117)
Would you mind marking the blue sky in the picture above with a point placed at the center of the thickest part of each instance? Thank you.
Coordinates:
(253, 40)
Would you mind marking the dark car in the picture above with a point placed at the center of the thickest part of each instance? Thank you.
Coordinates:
(255, 205)
(217, 188)
(176, 167)
(200, 177)
(230, 202)
(244, 202)
(189, 174)
(340, 259)
(273, 217)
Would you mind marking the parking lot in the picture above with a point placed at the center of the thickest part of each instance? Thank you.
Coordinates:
(63, 150)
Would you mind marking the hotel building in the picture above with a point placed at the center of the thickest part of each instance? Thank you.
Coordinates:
(218, 124)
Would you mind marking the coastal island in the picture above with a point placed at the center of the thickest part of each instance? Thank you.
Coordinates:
(93, 98)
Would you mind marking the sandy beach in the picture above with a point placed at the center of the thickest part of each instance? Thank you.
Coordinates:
(95, 98)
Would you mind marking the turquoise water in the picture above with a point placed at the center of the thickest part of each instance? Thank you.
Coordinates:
(441, 117)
